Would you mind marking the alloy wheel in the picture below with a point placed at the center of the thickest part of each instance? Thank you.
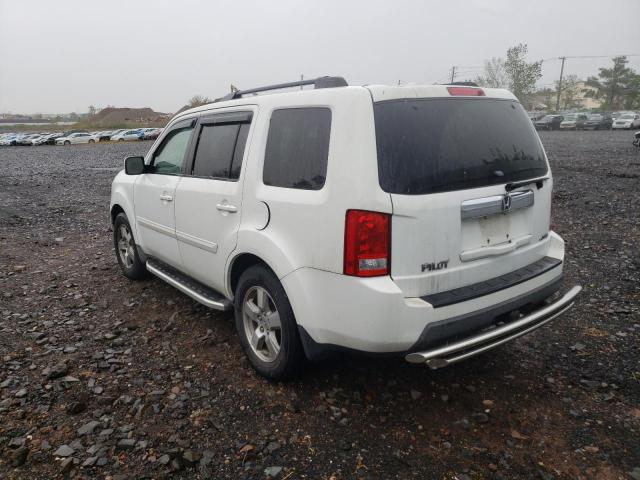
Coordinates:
(262, 325)
(126, 249)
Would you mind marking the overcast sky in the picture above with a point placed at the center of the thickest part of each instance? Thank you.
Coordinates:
(64, 55)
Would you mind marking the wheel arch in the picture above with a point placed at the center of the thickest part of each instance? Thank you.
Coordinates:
(239, 264)
(115, 210)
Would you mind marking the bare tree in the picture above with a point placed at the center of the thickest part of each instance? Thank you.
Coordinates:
(494, 75)
(198, 100)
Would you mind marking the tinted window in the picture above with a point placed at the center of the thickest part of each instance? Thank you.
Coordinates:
(215, 150)
(438, 145)
(297, 148)
(238, 154)
(169, 156)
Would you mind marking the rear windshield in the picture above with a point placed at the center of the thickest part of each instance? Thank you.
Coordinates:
(439, 145)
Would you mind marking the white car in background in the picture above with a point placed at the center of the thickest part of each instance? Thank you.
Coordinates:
(127, 135)
(627, 121)
(75, 138)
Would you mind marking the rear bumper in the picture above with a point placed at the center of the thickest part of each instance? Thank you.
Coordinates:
(476, 344)
(372, 315)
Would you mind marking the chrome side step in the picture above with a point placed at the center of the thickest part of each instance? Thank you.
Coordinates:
(199, 292)
(468, 347)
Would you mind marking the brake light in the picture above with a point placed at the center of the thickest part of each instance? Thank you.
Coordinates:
(466, 91)
(367, 243)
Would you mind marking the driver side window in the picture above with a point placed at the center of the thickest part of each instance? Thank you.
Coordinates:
(169, 156)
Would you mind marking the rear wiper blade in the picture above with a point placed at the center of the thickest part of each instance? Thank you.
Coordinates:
(538, 181)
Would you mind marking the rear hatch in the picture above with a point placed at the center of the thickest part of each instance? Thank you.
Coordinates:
(449, 164)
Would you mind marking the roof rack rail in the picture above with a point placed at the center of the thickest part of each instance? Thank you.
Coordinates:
(320, 82)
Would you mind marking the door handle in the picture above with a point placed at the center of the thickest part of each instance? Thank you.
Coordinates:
(227, 207)
(166, 197)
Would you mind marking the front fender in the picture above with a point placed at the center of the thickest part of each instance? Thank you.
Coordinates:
(122, 196)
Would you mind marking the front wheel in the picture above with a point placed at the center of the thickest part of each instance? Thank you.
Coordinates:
(126, 250)
(67, 142)
(92, 141)
(266, 325)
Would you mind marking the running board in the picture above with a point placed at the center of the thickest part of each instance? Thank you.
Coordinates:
(199, 292)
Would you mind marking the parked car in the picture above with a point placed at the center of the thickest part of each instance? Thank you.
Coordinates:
(127, 135)
(308, 186)
(549, 122)
(627, 121)
(75, 138)
(40, 139)
(573, 121)
(7, 139)
(598, 121)
(53, 137)
(27, 140)
(151, 133)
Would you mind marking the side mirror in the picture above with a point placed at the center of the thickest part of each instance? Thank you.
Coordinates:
(134, 165)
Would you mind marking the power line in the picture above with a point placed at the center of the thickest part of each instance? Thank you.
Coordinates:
(590, 56)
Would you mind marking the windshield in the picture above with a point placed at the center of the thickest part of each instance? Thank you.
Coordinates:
(443, 144)
(627, 117)
(595, 117)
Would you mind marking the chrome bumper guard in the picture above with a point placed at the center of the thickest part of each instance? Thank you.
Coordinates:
(468, 347)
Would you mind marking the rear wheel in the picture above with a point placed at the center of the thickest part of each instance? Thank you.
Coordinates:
(266, 325)
(91, 141)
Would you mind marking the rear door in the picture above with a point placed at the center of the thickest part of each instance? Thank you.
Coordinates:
(209, 197)
(446, 162)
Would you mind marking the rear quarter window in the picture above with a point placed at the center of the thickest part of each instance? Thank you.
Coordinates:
(297, 148)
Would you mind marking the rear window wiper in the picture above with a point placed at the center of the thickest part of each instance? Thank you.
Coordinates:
(538, 181)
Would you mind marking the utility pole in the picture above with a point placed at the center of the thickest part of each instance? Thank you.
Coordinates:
(453, 73)
(560, 84)
(301, 79)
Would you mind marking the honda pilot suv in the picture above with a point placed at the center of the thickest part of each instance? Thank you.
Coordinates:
(401, 220)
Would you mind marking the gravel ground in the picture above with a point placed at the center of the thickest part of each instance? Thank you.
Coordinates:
(104, 378)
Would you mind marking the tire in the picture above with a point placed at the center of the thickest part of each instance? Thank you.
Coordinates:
(91, 141)
(126, 249)
(121, 139)
(258, 295)
(67, 142)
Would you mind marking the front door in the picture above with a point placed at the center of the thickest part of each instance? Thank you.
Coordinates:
(209, 197)
(154, 195)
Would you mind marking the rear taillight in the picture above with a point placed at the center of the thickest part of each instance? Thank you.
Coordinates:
(466, 91)
(367, 243)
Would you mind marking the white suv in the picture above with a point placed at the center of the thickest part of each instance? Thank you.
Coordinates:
(405, 220)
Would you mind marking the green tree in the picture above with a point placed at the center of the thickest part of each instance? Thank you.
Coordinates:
(632, 101)
(514, 73)
(522, 76)
(616, 87)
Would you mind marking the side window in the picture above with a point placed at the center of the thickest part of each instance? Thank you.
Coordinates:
(297, 148)
(169, 156)
(238, 154)
(215, 150)
(220, 150)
